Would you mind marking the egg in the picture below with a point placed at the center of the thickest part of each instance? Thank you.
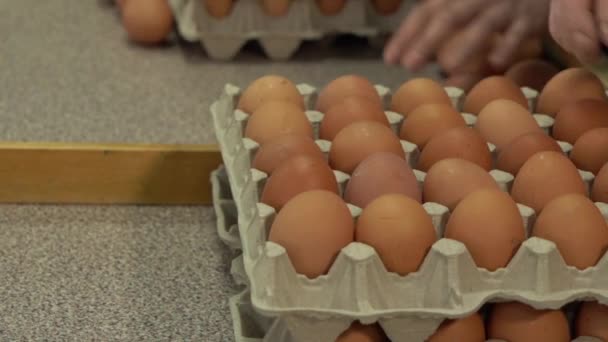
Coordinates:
(359, 140)
(358, 332)
(490, 89)
(470, 329)
(346, 86)
(400, 231)
(330, 7)
(545, 176)
(147, 21)
(461, 142)
(532, 73)
(429, 120)
(386, 7)
(268, 88)
(502, 120)
(349, 110)
(590, 152)
(591, 320)
(416, 92)
(276, 118)
(276, 151)
(513, 156)
(276, 8)
(450, 180)
(569, 85)
(489, 224)
(577, 228)
(313, 227)
(296, 175)
(120, 3)
(379, 174)
(599, 192)
(218, 8)
(519, 322)
(576, 118)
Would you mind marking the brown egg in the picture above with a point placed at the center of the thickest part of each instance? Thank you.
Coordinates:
(489, 224)
(276, 118)
(591, 320)
(576, 118)
(379, 174)
(590, 151)
(490, 89)
(276, 8)
(519, 322)
(570, 85)
(278, 150)
(386, 7)
(359, 140)
(532, 73)
(218, 8)
(269, 88)
(545, 176)
(416, 92)
(330, 7)
(577, 227)
(450, 180)
(313, 228)
(358, 332)
(296, 175)
(147, 21)
(346, 86)
(513, 156)
(429, 120)
(470, 329)
(349, 110)
(400, 231)
(121, 3)
(599, 193)
(501, 121)
(462, 142)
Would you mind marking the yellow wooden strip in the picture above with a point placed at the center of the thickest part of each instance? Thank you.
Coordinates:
(106, 173)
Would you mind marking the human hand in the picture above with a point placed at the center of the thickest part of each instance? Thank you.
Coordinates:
(432, 21)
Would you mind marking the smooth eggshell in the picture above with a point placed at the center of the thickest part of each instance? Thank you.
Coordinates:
(359, 140)
(569, 85)
(461, 142)
(599, 193)
(545, 176)
(590, 152)
(346, 86)
(391, 222)
(358, 332)
(417, 92)
(426, 121)
(519, 322)
(532, 73)
(490, 89)
(269, 88)
(386, 7)
(577, 227)
(218, 8)
(470, 329)
(379, 174)
(276, 118)
(313, 228)
(276, 8)
(296, 175)
(576, 118)
(147, 21)
(276, 151)
(330, 7)
(513, 156)
(592, 320)
(502, 120)
(450, 180)
(489, 224)
(349, 110)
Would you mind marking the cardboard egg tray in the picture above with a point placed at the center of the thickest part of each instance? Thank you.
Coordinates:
(448, 284)
(281, 36)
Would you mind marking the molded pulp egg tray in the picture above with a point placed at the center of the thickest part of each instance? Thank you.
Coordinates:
(280, 37)
(358, 287)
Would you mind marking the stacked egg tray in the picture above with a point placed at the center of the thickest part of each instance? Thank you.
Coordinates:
(281, 36)
(358, 287)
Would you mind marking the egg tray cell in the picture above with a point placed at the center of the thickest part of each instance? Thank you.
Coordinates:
(281, 36)
(448, 284)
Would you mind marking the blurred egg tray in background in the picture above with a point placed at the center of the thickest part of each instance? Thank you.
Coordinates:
(477, 233)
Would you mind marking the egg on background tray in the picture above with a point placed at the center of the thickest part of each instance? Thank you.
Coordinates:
(330, 7)
(387, 7)
(147, 21)
(218, 8)
(470, 329)
(358, 332)
(513, 321)
(591, 320)
(276, 8)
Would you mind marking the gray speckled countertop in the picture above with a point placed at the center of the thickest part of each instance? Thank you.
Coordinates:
(76, 273)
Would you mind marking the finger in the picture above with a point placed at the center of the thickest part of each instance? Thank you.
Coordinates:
(504, 52)
(408, 29)
(572, 25)
(601, 15)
